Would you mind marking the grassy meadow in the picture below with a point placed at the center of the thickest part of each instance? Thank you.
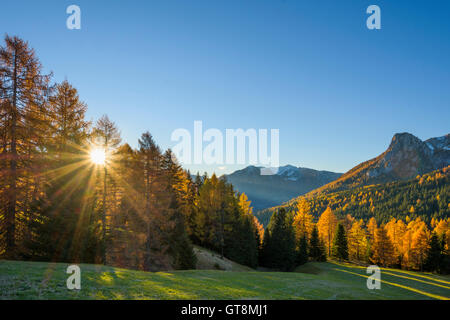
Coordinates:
(330, 280)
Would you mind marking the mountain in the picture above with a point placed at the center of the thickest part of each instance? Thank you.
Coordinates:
(425, 196)
(271, 190)
(406, 157)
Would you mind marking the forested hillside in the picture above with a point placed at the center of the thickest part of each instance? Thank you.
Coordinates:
(426, 196)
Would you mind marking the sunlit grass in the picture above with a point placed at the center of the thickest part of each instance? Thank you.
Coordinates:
(37, 280)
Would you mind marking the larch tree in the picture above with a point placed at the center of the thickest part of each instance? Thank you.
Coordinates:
(107, 138)
(247, 209)
(327, 225)
(396, 230)
(357, 241)
(382, 249)
(303, 220)
(150, 187)
(419, 247)
(245, 204)
(442, 230)
(128, 223)
(372, 228)
(64, 226)
(69, 129)
(23, 92)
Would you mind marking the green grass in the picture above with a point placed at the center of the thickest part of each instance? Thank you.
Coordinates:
(38, 280)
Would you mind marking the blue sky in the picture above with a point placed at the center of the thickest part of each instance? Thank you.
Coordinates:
(337, 91)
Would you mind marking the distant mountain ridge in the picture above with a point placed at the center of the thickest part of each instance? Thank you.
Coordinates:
(406, 157)
(271, 190)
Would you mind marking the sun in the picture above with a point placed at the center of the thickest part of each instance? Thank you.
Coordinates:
(98, 156)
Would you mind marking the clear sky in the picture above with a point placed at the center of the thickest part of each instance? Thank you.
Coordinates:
(337, 91)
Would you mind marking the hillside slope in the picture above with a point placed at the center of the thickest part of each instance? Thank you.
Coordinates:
(210, 260)
(39, 280)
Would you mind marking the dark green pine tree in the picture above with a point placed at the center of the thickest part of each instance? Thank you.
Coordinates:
(445, 262)
(251, 242)
(316, 248)
(66, 227)
(302, 256)
(240, 243)
(180, 247)
(264, 250)
(279, 247)
(340, 247)
(434, 257)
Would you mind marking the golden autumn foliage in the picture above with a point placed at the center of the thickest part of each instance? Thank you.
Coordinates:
(327, 225)
(395, 230)
(410, 241)
(442, 229)
(382, 249)
(419, 247)
(357, 241)
(403, 243)
(245, 204)
(371, 228)
(303, 220)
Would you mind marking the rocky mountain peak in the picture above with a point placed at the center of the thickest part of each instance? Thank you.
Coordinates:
(406, 157)
(405, 140)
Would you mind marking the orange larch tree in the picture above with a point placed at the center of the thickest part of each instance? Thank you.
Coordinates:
(327, 225)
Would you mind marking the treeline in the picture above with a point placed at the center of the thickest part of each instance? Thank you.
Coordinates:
(294, 237)
(71, 191)
(426, 196)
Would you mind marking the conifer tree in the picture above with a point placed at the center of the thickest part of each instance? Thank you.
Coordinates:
(445, 262)
(357, 242)
(419, 245)
(340, 248)
(303, 220)
(106, 137)
(302, 256)
(149, 186)
(66, 221)
(69, 129)
(316, 248)
(382, 249)
(434, 256)
(279, 250)
(327, 226)
(180, 246)
(68, 200)
(265, 249)
(23, 90)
